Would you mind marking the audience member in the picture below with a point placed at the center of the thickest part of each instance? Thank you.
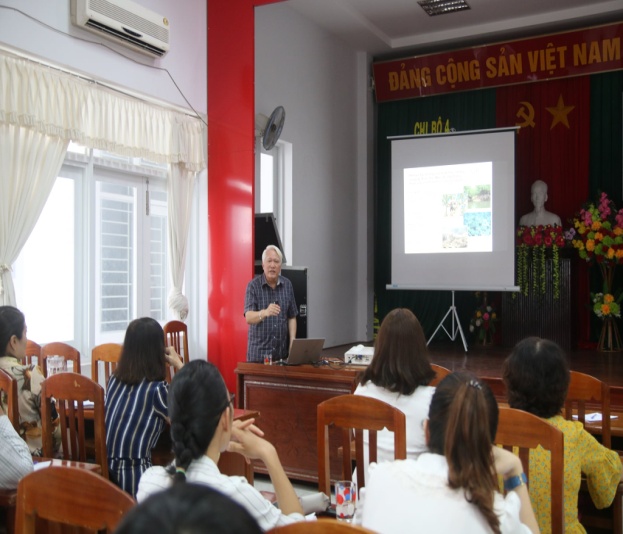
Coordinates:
(188, 509)
(399, 374)
(454, 487)
(537, 377)
(13, 341)
(15, 458)
(202, 426)
(136, 402)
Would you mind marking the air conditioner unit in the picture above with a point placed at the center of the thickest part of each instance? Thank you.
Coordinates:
(124, 21)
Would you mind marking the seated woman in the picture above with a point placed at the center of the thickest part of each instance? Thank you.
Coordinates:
(454, 487)
(537, 377)
(188, 508)
(399, 374)
(13, 341)
(136, 402)
(15, 458)
(202, 426)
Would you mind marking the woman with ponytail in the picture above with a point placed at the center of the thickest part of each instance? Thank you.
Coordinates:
(202, 427)
(454, 486)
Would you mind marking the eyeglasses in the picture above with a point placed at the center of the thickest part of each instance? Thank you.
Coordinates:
(231, 400)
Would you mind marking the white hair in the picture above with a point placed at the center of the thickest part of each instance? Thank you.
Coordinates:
(276, 249)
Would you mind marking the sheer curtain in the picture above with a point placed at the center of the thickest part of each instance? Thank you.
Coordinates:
(45, 108)
(29, 164)
(180, 187)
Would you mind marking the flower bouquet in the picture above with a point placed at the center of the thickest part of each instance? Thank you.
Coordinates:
(533, 242)
(482, 324)
(598, 232)
(605, 305)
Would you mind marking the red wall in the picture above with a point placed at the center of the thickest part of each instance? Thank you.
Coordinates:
(231, 112)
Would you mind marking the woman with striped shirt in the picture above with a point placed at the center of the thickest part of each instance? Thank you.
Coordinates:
(136, 402)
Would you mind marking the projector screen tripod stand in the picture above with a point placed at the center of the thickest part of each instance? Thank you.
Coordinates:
(456, 325)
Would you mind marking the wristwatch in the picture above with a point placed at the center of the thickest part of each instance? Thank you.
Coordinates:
(512, 483)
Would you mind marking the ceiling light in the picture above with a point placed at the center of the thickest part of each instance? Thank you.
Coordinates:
(441, 7)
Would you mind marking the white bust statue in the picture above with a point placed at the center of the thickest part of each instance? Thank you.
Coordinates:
(539, 215)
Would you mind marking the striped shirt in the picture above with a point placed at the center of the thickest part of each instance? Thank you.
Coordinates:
(135, 418)
(15, 458)
(269, 336)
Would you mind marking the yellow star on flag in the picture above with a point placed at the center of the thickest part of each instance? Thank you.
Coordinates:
(560, 113)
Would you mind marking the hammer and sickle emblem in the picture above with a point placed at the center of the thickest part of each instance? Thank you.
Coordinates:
(526, 112)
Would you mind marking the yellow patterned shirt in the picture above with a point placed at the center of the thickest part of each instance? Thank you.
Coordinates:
(583, 455)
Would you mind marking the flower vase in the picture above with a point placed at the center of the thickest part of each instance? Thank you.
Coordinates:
(607, 272)
(487, 338)
(610, 339)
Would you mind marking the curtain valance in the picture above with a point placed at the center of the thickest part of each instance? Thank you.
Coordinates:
(60, 104)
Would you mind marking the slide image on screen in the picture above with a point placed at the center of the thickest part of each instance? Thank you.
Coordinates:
(448, 208)
(453, 211)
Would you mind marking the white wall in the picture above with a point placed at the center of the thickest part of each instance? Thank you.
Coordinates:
(322, 85)
(186, 61)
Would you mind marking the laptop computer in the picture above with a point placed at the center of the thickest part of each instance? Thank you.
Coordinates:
(305, 350)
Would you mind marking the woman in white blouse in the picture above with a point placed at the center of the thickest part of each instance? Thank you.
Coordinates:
(454, 487)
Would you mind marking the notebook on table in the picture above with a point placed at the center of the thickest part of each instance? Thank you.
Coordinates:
(305, 351)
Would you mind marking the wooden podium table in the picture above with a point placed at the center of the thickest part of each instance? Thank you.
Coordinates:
(286, 398)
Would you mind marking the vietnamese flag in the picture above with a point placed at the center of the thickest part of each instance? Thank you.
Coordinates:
(552, 145)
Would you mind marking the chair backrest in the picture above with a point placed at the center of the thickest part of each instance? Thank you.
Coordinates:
(176, 336)
(321, 526)
(441, 373)
(71, 496)
(353, 414)
(71, 392)
(32, 350)
(104, 357)
(585, 388)
(525, 431)
(8, 389)
(58, 348)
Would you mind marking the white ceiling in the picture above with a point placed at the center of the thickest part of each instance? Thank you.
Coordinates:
(387, 27)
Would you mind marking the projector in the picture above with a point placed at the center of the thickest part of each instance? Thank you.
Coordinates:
(359, 355)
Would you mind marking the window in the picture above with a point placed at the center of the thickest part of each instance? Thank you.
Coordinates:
(97, 258)
(273, 189)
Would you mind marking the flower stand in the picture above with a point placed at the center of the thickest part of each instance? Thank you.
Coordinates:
(609, 339)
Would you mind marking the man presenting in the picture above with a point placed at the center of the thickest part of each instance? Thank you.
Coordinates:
(270, 310)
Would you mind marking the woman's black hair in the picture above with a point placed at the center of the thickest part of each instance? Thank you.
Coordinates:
(462, 424)
(536, 375)
(188, 509)
(142, 356)
(400, 363)
(196, 400)
(12, 323)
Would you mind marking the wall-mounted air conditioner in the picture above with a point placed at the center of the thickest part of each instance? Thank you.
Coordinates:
(123, 21)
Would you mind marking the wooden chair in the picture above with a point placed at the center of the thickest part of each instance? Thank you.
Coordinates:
(321, 526)
(104, 356)
(8, 389)
(32, 350)
(71, 391)
(442, 372)
(525, 431)
(71, 496)
(585, 388)
(356, 413)
(58, 348)
(176, 336)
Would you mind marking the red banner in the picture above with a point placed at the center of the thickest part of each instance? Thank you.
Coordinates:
(559, 55)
